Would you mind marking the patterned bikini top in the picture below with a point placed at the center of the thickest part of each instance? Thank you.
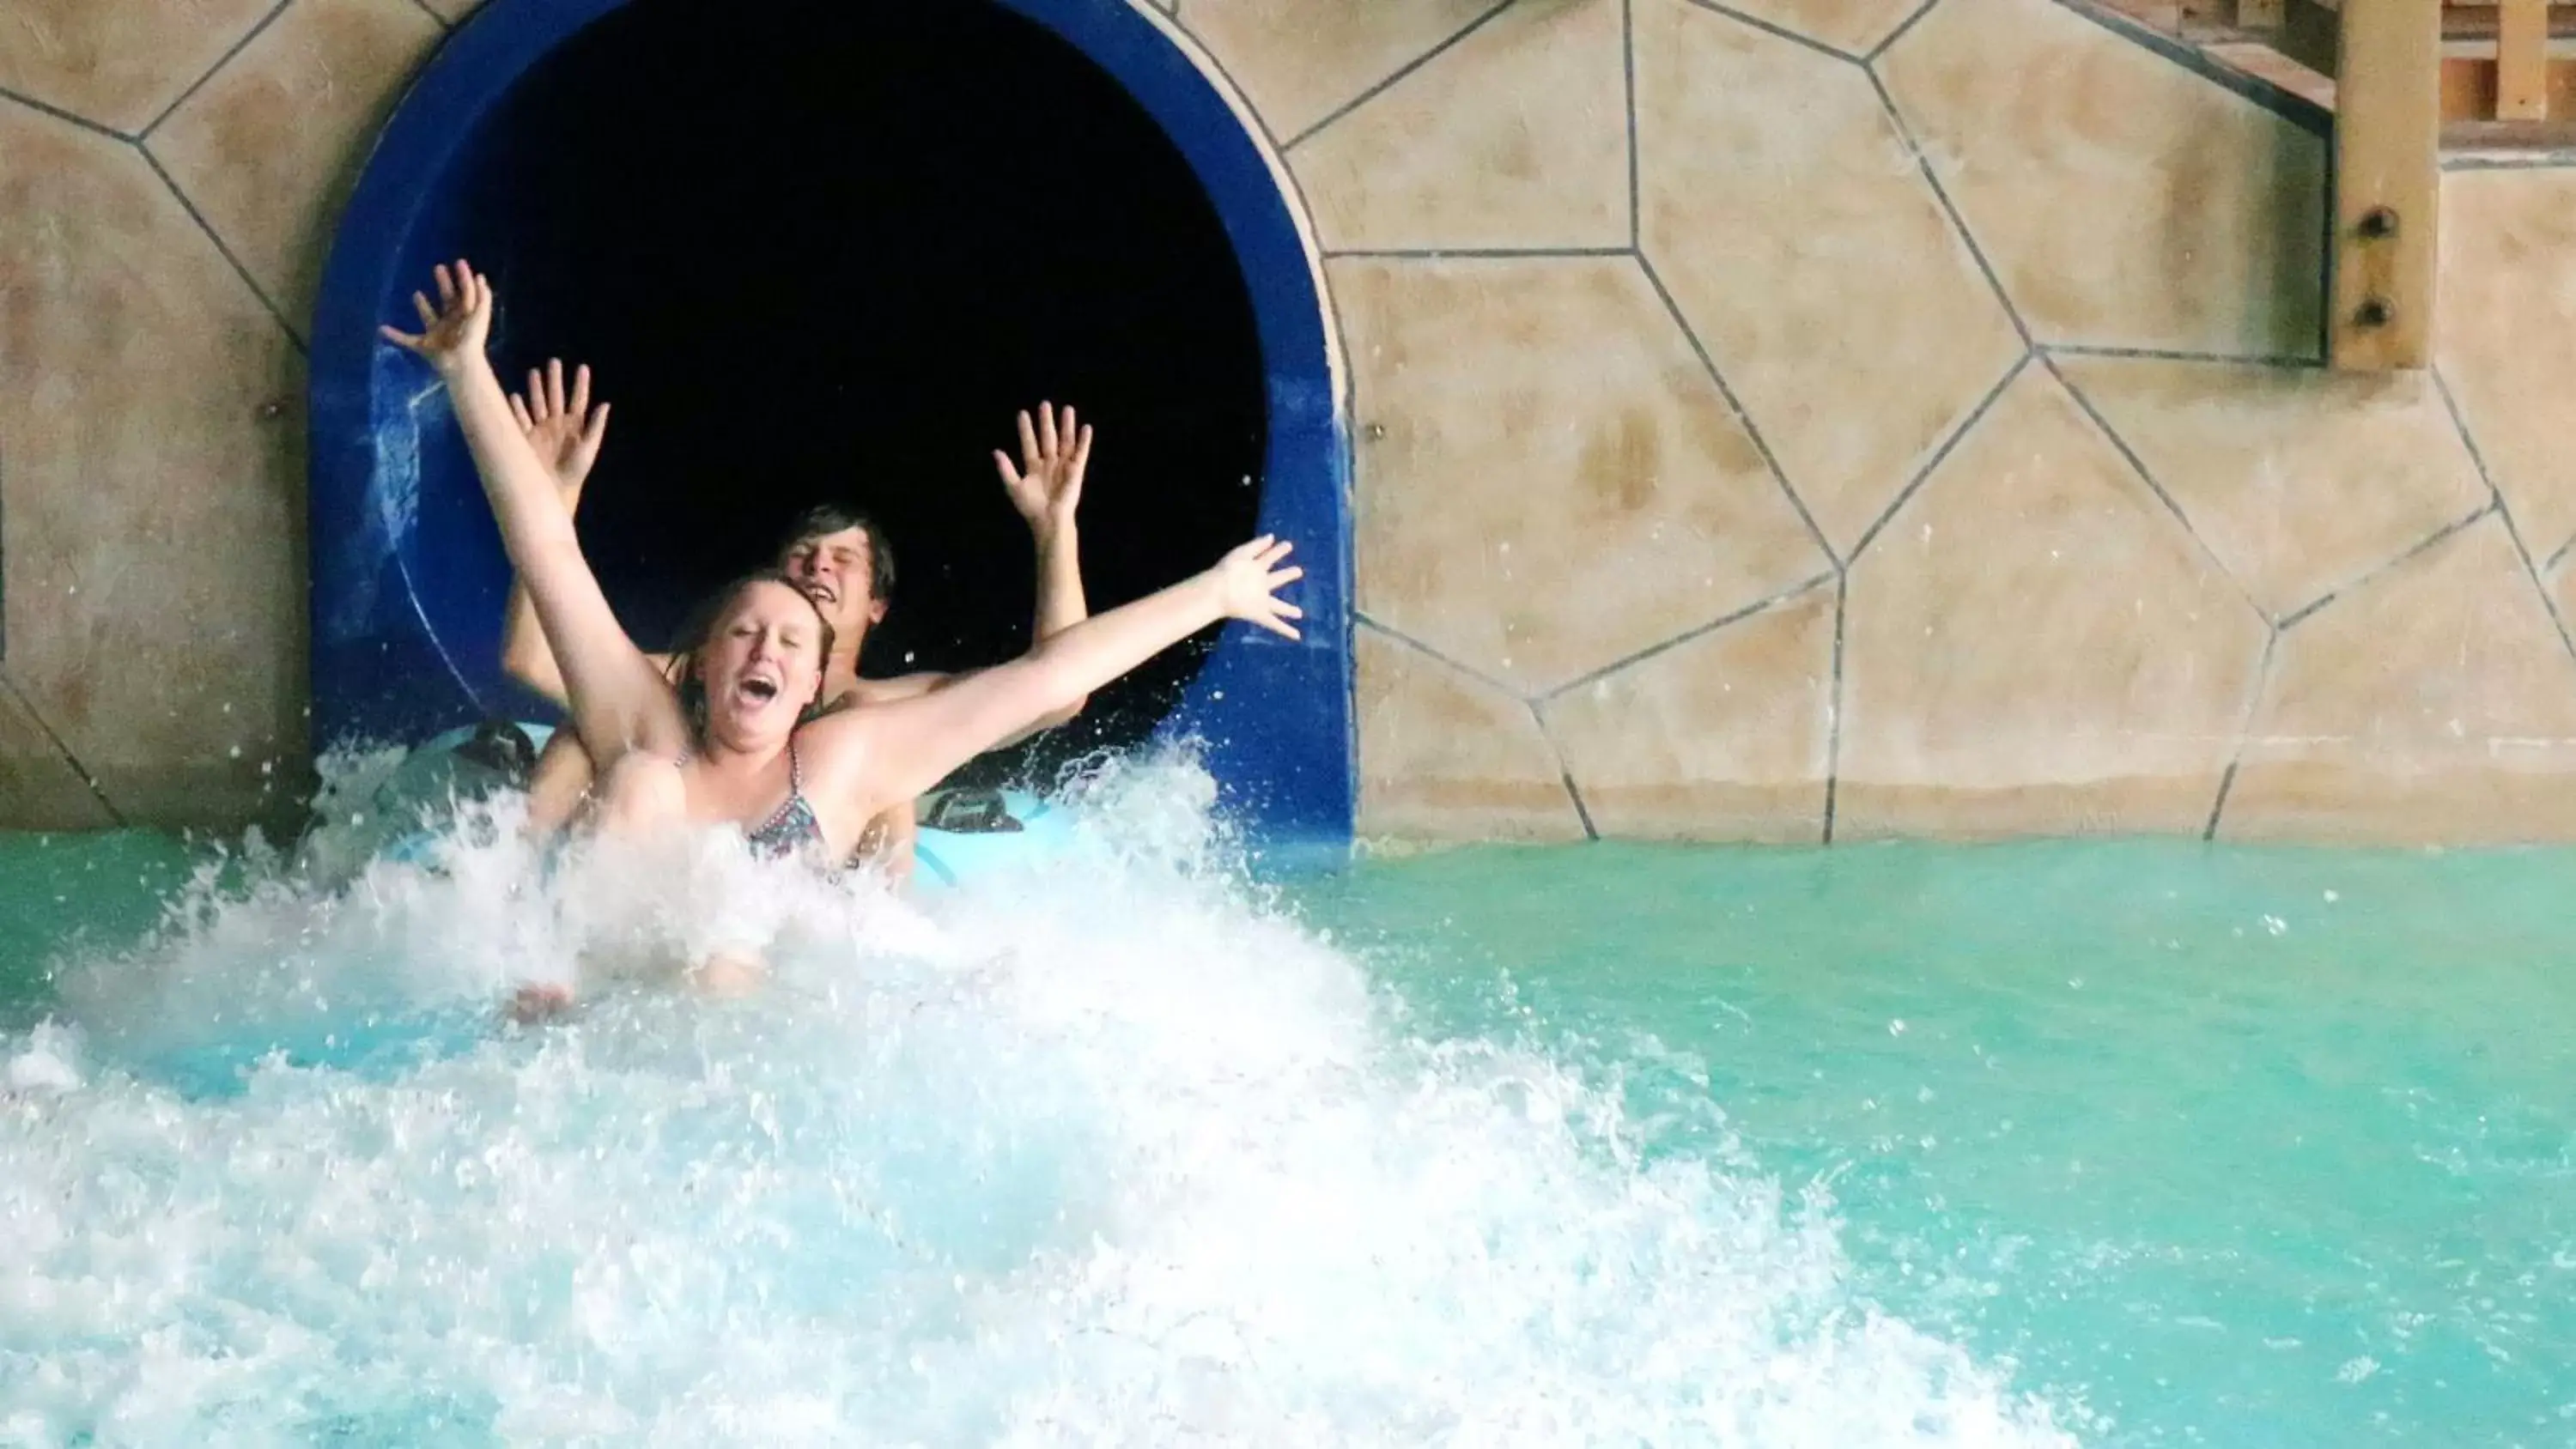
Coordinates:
(791, 828)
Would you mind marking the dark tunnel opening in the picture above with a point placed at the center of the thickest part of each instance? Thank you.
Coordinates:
(820, 252)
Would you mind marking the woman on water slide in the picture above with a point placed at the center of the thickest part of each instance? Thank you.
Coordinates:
(729, 742)
(839, 557)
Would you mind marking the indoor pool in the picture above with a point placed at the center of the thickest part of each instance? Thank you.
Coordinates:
(2118, 1144)
(2218, 1146)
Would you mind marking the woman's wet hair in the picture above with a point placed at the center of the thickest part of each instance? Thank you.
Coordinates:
(825, 519)
(701, 626)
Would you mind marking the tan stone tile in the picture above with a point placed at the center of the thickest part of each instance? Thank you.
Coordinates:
(40, 789)
(1446, 757)
(2299, 480)
(1854, 27)
(268, 150)
(1539, 518)
(2035, 645)
(2507, 339)
(1724, 737)
(1516, 137)
(1800, 239)
(1297, 60)
(2434, 704)
(2122, 199)
(155, 485)
(117, 62)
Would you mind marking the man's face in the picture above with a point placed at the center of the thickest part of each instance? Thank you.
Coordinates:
(837, 569)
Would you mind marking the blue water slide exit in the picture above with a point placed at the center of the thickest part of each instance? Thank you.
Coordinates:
(408, 573)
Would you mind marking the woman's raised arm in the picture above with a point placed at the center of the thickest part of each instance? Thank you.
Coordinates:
(619, 701)
(861, 760)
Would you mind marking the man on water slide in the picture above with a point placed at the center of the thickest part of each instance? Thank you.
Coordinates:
(838, 556)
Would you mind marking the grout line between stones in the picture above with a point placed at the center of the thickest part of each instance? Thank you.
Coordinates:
(212, 71)
(1834, 708)
(2512, 531)
(1426, 651)
(2138, 465)
(1752, 430)
(1565, 772)
(59, 114)
(1941, 194)
(2531, 571)
(2244, 732)
(1893, 36)
(95, 789)
(2412, 551)
(1768, 27)
(1914, 484)
(1696, 631)
(1628, 70)
(2460, 425)
(292, 335)
(1388, 84)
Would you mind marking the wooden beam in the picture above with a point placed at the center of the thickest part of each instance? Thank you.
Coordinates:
(2522, 60)
(2480, 24)
(2388, 130)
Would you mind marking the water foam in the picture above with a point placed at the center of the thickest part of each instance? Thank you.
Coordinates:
(1112, 1151)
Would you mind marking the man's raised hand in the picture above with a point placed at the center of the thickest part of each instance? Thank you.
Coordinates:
(1046, 485)
(565, 431)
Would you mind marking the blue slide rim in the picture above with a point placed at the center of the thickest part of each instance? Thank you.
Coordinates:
(1274, 720)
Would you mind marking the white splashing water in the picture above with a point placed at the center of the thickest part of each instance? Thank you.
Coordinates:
(1110, 1152)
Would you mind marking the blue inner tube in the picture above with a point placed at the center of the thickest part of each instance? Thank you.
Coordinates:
(969, 833)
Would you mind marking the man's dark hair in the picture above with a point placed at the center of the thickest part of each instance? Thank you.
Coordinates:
(829, 518)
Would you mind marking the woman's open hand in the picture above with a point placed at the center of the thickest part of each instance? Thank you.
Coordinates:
(1248, 582)
(455, 331)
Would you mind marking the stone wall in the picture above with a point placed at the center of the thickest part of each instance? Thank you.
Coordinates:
(168, 178)
(1793, 420)
(1936, 445)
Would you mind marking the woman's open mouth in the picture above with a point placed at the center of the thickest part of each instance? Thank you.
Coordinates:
(757, 689)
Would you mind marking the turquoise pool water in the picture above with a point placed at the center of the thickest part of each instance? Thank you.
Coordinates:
(2225, 1146)
(62, 896)
(2119, 1144)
